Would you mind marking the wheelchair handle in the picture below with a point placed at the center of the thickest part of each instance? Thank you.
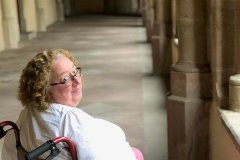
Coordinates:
(16, 131)
(71, 145)
(49, 145)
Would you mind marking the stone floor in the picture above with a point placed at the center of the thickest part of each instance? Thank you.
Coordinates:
(118, 84)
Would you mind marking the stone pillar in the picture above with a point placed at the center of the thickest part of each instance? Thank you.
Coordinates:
(234, 81)
(144, 5)
(22, 20)
(27, 19)
(2, 45)
(188, 105)
(10, 23)
(139, 6)
(155, 37)
(41, 16)
(191, 24)
(67, 7)
(166, 40)
(149, 18)
(134, 6)
(161, 37)
(174, 40)
(223, 47)
(60, 10)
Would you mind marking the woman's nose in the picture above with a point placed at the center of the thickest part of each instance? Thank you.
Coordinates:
(76, 80)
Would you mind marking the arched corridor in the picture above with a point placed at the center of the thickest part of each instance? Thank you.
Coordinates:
(193, 44)
(118, 81)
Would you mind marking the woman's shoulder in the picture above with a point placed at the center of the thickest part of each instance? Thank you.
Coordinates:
(71, 114)
(64, 109)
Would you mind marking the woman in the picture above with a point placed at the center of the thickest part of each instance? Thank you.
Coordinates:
(50, 89)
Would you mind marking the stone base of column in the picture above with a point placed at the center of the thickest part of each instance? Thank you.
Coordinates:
(188, 123)
(188, 115)
(28, 35)
(191, 85)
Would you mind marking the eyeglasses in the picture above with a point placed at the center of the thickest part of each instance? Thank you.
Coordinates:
(68, 79)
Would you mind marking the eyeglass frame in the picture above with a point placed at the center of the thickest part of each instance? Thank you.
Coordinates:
(72, 77)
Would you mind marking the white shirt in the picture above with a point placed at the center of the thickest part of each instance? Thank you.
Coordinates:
(95, 139)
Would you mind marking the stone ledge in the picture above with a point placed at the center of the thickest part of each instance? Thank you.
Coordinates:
(232, 122)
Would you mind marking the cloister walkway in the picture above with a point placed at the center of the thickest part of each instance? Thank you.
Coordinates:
(118, 84)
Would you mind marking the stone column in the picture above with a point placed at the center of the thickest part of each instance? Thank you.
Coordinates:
(10, 23)
(144, 5)
(41, 16)
(191, 24)
(234, 81)
(149, 18)
(27, 19)
(223, 46)
(134, 6)
(60, 10)
(155, 37)
(188, 105)
(161, 37)
(166, 40)
(22, 20)
(2, 45)
(174, 40)
(67, 7)
(139, 6)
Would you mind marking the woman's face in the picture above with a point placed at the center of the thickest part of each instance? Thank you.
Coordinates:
(67, 94)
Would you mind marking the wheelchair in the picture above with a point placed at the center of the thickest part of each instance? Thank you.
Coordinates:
(50, 145)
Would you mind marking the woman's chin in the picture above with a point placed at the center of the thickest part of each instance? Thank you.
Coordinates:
(77, 100)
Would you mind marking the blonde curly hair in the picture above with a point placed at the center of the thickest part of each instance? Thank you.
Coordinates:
(33, 91)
